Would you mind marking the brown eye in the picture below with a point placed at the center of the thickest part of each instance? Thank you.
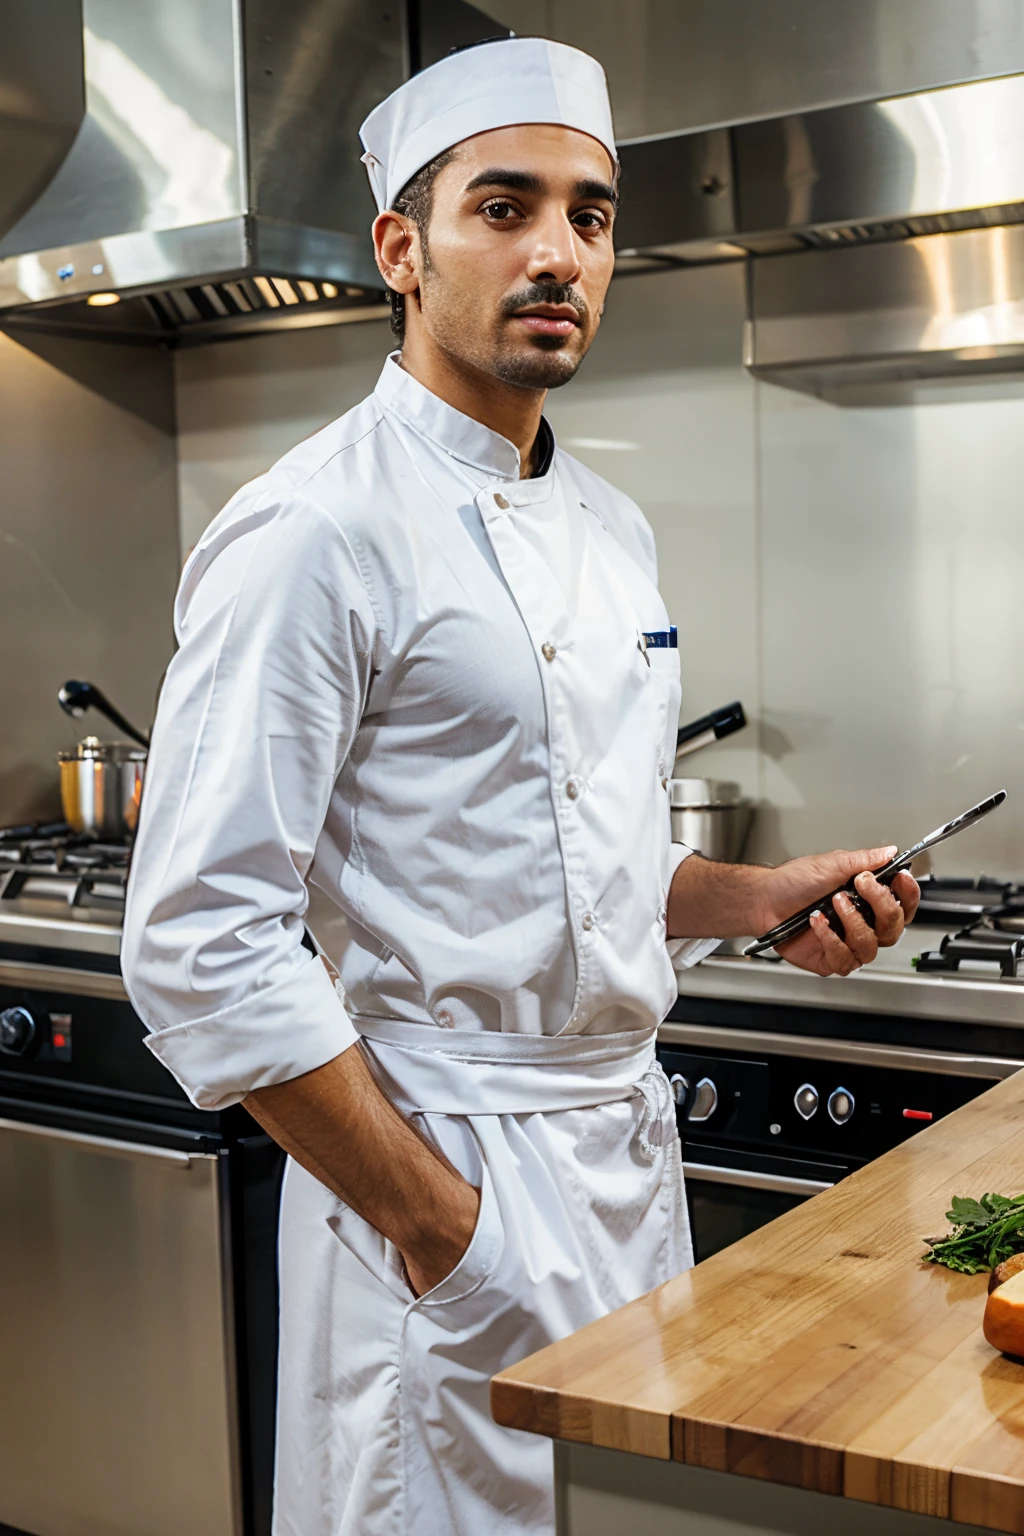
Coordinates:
(594, 220)
(499, 211)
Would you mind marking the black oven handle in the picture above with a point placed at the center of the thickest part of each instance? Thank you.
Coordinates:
(740, 1178)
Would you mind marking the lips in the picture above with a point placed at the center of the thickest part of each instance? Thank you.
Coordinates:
(549, 319)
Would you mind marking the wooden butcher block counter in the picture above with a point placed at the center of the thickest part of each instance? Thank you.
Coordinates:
(819, 1353)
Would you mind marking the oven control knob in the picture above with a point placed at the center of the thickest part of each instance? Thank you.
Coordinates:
(21, 1031)
(705, 1101)
(841, 1105)
(680, 1086)
(806, 1100)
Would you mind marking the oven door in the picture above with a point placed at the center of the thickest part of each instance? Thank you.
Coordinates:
(729, 1197)
(117, 1412)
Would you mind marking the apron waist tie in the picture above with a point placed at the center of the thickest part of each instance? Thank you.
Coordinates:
(428, 1070)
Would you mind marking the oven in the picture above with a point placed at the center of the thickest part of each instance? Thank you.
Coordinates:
(138, 1298)
(767, 1120)
(729, 1199)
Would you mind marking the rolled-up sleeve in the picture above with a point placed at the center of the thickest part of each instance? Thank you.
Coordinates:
(257, 715)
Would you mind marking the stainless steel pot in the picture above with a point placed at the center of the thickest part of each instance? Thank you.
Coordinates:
(101, 787)
(710, 815)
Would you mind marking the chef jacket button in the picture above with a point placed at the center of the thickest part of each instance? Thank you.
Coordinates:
(499, 501)
(443, 1017)
(588, 920)
(662, 914)
(547, 650)
(572, 789)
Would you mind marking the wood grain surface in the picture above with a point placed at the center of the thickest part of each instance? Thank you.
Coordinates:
(820, 1351)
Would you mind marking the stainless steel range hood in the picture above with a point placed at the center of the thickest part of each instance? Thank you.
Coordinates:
(215, 186)
(887, 235)
(907, 218)
(215, 183)
(42, 96)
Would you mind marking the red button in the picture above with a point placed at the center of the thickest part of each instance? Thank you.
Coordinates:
(918, 1114)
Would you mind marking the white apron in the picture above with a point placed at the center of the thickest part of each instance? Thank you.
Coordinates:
(572, 1141)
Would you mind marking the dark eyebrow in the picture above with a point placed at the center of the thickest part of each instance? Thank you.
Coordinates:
(600, 191)
(513, 181)
(527, 181)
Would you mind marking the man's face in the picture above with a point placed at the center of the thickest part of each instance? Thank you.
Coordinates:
(518, 253)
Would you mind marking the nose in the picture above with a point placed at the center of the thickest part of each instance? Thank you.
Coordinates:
(554, 256)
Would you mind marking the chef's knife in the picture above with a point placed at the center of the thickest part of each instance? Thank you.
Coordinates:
(801, 920)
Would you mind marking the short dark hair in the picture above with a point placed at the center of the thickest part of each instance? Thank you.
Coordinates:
(415, 202)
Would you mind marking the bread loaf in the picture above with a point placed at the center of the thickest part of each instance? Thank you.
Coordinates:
(1003, 1271)
(1004, 1316)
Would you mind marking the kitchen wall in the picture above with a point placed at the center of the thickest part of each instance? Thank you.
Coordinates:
(850, 574)
(892, 566)
(88, 546)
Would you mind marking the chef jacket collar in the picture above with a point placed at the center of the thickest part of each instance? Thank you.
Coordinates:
(460, 436)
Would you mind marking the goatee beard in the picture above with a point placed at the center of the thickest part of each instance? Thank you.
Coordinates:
(546, 365)
(541, 368)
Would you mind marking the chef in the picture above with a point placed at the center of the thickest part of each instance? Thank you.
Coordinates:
(425, 668)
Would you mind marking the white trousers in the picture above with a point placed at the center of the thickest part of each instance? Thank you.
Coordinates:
(384, 1424)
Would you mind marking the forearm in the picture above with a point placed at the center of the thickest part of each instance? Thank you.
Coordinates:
(727, 901)
(338, 1124)
(716, 901)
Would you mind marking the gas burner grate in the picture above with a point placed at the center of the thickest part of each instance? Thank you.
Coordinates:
(980, 943)
(949, 899)
(50, 862)
(106, 856)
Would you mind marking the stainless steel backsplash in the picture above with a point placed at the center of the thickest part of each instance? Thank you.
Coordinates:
(88, 546)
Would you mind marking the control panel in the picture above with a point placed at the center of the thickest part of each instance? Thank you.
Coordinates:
(698, 1106)
(796, 1105)
(29, 1032)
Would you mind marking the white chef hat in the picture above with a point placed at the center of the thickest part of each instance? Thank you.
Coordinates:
(498, 85)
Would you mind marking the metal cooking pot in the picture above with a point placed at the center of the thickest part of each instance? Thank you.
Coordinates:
(711, 816)
(101, 787)
(101, 781)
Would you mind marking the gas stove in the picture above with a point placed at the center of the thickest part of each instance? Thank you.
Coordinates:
(61, 896)
(991, 941)
(785, 1081)
(961, 962)
(949, 899)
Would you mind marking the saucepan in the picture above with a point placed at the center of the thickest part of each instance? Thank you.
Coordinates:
(101, 781)
(710, 815)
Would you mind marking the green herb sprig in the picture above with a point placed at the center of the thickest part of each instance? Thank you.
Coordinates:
(985, 1232)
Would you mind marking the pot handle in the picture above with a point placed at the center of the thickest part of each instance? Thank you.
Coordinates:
(75, 698)
(699, 733)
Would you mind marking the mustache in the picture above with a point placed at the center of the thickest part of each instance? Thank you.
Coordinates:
(544, 293)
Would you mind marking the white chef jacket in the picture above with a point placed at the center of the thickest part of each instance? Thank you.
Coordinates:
(381, 691)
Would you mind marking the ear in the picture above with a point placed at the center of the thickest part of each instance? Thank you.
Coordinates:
(396, 246)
